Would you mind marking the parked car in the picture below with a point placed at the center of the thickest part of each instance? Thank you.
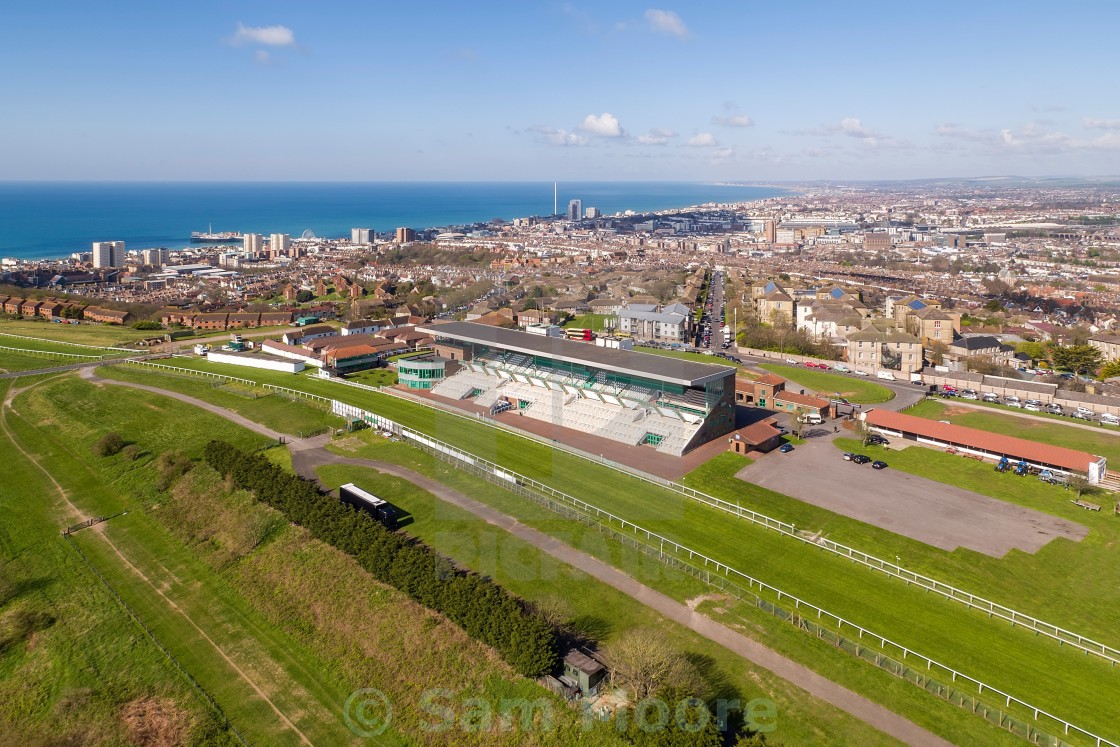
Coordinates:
(858, 372)
(885, 375)
(1012, 401)
(860, 458)
(878, 464)
(1084, 413)
(969, 394)
(877, 440)
(848, 456)
(1032, 407)
(990, 397)
(1055, 409)
(785, 448)
(841, 368)
(791, 361)
(1109, 419)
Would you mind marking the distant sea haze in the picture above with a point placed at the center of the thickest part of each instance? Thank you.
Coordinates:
(48, 219)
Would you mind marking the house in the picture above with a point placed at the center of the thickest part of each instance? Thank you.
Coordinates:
(877, 346)
(215, 320)
(244, 320)
(980, 347)
(672, 323)
(364, 327)
(106, 316)
(49, 309)
(14, 305)
(758, 392)
(311, 332)
(1109, 345)
(275, 318)
(761, 436)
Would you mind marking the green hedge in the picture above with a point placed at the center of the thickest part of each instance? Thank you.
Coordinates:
(486, 611)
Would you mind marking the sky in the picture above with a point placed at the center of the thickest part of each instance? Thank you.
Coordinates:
(741, 91)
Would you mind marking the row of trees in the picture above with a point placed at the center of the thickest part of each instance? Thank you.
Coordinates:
(483, 609)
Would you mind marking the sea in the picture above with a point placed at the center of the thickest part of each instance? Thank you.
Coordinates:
(46, 220)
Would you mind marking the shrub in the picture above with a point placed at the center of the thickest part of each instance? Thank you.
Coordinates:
(171, 465)
(108, 445)
(147, 324)
(131, 452)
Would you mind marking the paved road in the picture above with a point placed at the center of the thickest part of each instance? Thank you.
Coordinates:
(926, 510)
(308, 454)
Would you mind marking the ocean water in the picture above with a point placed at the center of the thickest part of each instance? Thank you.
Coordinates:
(48, 219)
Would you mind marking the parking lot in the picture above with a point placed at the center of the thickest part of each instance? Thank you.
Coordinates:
(932, 512)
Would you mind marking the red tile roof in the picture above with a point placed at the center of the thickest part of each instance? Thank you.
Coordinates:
(1018, 448)
(801, 399)
(756, 433)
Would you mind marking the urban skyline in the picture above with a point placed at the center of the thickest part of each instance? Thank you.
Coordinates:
(267, 91)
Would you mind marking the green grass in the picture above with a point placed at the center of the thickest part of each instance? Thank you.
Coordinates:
(83, 334)
(71, 680)
(297, 617)
(1057, 433)
(256, 403)
(374, 377)
(1067, 583)
(830, 384)
(594, 322)
(685, 355)
(16, 361)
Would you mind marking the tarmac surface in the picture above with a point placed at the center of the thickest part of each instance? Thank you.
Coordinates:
(926, 510)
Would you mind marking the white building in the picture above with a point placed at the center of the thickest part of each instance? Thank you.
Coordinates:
(108, 254)
(155, 257)
(253, 243)
(280, 245)
(592, 212)
(364, 236)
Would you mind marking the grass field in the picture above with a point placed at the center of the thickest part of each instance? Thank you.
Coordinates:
(830, 384)
(257, 403)
(1065, 582)
(82, 334)
(296, 620)
(11, 361)
(1057, 433)
(73, 675)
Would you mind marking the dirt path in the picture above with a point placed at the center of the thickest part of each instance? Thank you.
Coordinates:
(309, 454)
(76, 515)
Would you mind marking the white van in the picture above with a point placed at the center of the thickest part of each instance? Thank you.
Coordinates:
(885, 375)
(1109, 419)
(810, 418)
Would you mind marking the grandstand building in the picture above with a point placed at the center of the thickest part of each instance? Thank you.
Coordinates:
(670, 404)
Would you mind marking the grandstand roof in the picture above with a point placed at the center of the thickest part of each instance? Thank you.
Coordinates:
(646, 365)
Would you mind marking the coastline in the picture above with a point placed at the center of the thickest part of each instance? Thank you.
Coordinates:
(71, 215)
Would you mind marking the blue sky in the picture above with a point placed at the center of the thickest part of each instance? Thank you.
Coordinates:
(437, 90)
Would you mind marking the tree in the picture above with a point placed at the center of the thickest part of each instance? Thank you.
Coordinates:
(1081, 485)
(935, 351)
(1076, 358)
(1036, 350)
(108, 445)
(863, 431)
(642, 661)
(1108, 370)
(305, 296)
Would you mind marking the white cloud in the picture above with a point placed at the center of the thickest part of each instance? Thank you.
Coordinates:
(604, 125)
(666, 22)
(269, 36)
(562, 138)
(703, 140)
(733, 120)
(852, 127)
(1101, 124)
(656, 136)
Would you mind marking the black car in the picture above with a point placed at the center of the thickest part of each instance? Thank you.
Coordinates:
(860, 458)
(877, 440)
(877, 464)
(785, 448)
